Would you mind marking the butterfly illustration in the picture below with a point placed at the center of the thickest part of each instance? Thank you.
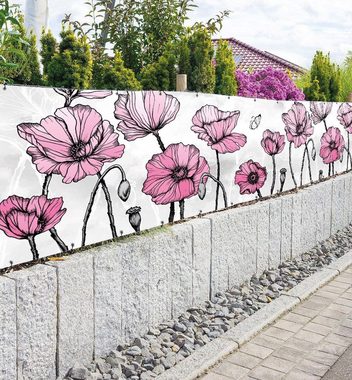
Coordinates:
(255, 121)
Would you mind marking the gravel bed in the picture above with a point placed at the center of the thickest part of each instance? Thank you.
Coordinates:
(170, 342)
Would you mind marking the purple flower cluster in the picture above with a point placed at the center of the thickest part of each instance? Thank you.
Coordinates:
(268, 84)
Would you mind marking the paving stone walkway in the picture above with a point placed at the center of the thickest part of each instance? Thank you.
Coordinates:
(302, 345)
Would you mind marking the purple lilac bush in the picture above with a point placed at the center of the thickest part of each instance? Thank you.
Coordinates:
(268, 84)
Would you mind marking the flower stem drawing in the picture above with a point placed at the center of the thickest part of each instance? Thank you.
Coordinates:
(218, 180)
(46, 183)
(33, 246)
(290, 163)
(202, 188)
(326, 127)
(101, 181)
(161, 144)
(182, 209)
(274, 175)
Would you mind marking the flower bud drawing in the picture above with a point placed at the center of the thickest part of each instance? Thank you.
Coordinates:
(134, 217)
(202, 190)
(124, 190)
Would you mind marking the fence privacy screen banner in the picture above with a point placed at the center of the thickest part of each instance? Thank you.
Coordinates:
(82, 167)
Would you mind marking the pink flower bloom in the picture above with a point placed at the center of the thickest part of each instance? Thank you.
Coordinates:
(273, 142)
(216, 128)
(174, 174)
(144, 113)
(320, 111)
(344, 115)
(250, 177)
(298, 124)
(332, 145)
(74, 143)
(24, 217)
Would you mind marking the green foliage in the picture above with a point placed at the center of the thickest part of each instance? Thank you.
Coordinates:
(161, 75)
(111, 74)
(71, 66)
(201, 77)
(33, 61)
(346, 77)
(48, 49)
(184, 64)
(225, 80)
(303, 81)
(328, 76)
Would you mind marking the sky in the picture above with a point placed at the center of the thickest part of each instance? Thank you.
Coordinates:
(291, 29)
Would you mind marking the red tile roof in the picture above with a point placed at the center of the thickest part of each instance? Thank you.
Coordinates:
(250, 58)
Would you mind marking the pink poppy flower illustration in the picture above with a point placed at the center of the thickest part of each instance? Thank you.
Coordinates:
(144, 113)
(175, 174)
(298, 127)
(250, 177)
(298, 124)
(273, 143)
(71, 94)
(74, 143)
(344, 115)
(332, 145)
(25, 218)
(216, 128)
(320, 111)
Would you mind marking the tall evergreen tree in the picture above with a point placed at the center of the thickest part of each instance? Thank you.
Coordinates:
(201, 77)
(225, 79)
(33, 61)
(71, 66)
(328, 76)
(48, 49)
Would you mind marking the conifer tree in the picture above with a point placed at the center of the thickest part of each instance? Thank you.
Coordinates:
(225, 80)
(48, 49)
(71, 66)
(201, 77)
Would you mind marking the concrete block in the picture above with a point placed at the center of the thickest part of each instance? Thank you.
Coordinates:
(234, 247)
(201, 260)
(107, 298)
(263, 229)
(309, 207)
(160, 280)
(75, 337)
(342, 263)
(297, 228)
(135, 285)
(8, 349)
(286, 227)
(36, 289)
(348, 199)
(326, 189)
(320, 197)
(180, 247)
(338, 204)
(275, 232)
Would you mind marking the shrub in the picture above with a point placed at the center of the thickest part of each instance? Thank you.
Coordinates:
(268, 84)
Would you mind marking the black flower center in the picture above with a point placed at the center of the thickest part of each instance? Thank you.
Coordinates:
(179, 173)
(299, 129)
(78, 151)
(332, 145)
(253, 178)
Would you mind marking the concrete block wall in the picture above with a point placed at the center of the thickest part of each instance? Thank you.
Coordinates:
(54, 314)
